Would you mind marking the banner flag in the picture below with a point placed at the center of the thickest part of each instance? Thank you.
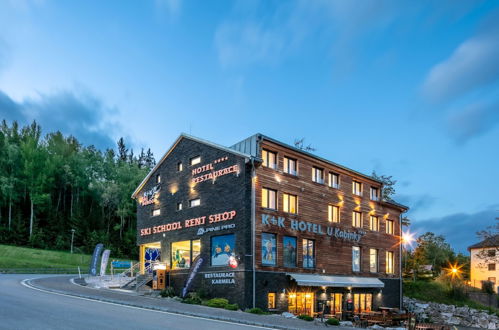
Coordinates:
(103, 262)
(95, 259)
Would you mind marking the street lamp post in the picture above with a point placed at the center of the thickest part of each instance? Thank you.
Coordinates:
(72, 237)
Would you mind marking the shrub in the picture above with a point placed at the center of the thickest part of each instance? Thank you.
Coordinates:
(217, 302)
(305, 317)
(193, 299)
(167, 292)
(232, 307)
(488, 287)
(255, 310)
(332, 321)
(202, 293)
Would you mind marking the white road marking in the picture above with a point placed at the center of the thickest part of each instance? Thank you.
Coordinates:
(25, 283)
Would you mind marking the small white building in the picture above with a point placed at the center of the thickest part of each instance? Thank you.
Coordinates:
(484, 259)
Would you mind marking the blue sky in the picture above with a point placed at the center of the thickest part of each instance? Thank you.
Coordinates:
(406, 88)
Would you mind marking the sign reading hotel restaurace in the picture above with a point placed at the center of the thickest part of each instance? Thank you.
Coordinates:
(313, 228)
(194, 222)
(213, 174)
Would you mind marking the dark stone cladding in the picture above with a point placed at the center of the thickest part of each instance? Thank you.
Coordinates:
(228, 192)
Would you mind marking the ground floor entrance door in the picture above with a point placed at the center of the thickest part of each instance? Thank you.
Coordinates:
(301, 303)
(148, 254)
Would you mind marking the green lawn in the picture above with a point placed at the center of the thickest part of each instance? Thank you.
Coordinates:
(21, 257)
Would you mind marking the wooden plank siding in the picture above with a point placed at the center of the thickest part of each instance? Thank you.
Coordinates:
(333, 256)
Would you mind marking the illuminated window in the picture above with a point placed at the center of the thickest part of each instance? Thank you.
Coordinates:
(357, 188)
(195, 160)
(156, 212)
(290, 166)
(317, 175)
(158, 178)
(269, 198)
(389, 227)
(356, 219)
(492, 266)
(179, 206)
(184, 252)
(308, 253)
(333, 213)
(271, 300)
(373, 260)
(289, 203)
(194, 202)
(389, 262)
(179, 167)
(374, 194)
(373, 223)
(269, 159)
(355, 258)
(334, 180)
(362, 302)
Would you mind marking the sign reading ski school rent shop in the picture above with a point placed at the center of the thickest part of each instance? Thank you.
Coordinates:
(314, 228)
(194, 222)
(199, 175)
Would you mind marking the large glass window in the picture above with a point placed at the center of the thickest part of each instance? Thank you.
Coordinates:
(290, 166)
(222, 248)
(334, 180)
(362, 302)
(355, 258)
(357, 188)
(336, 303)
(308, 253)
(289, 203)
(373, 260)
(271, 300)
(317, 175)
(301, 303)
(356, 219)
(389, 262)
(374, 223)
(184, 252)
(269, 198)
(333, 213)
(269, 249)
(289, 251)
(389, 227)
(269, 159)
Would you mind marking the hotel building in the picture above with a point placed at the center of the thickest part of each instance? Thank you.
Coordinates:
(265, 224)
(484, 260)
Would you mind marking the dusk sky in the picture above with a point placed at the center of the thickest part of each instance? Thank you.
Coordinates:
(406, 88)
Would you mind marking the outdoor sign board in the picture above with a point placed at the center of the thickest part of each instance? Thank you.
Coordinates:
(121, 264)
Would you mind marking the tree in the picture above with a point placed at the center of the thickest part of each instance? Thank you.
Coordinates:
(490, 236)
(388, 190)
(432, 250)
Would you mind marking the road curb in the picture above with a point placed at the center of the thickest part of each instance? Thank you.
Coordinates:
(161, 309)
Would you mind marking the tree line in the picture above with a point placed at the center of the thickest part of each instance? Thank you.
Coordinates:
(52, 184)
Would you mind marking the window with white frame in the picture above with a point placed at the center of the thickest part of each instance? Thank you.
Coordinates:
(389, 262)
(179, 167)
(195, 160)
(179, 206)
(290, 166)
(373, 260)
(158, 178)
(334, 180)
(357, 188)
(374, 194)
(374, 223)
(355, 258)
(269, 159)
(156, 212)
(290, 203)
(333, 213)
(269, 198)
(356, 219)
(317, 175)
(194, 202)
(389, 227)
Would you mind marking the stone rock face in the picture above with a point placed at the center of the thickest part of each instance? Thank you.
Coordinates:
(450, 314)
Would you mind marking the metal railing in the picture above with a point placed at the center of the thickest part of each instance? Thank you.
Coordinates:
(39, 270)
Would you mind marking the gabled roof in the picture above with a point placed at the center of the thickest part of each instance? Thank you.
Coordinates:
(492, 241)
(180, 138)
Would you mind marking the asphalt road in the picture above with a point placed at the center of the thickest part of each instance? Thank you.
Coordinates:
(22, 307)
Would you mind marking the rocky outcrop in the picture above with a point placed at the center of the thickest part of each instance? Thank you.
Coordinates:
(450, 314)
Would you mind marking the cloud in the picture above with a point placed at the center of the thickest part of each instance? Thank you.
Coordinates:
(77, 113)
(459, 229)
(416, 202)
(474, 64)
(474, 120)
(171, 7)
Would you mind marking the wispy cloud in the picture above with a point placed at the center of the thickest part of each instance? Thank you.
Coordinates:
(77, 113)
(474, 120)
(459, 229)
